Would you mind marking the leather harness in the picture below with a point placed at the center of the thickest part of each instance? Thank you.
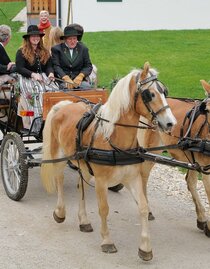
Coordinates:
(115, 156)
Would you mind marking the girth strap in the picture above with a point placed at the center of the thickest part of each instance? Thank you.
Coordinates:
(83, 124)
(110, 157)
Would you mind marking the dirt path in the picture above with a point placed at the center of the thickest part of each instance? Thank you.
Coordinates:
(31, 239)
(22, 16)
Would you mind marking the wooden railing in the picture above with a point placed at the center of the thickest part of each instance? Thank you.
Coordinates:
(35, 6)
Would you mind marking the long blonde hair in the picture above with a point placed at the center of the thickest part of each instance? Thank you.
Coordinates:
(54, 36)
(29, 54)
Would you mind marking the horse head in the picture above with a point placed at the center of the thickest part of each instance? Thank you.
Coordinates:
(150, 94)
(205, 106)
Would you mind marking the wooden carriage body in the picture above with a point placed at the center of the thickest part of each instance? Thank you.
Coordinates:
(51, 98)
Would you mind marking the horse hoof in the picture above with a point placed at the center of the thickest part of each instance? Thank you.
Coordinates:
(58, 219)
(151, 216)
(109, 248)
(201, 224)
(87, 228)
(206, 230)
(145, 256)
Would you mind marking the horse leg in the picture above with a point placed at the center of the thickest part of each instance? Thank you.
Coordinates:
(145, 172)
(148, 138)
(191, 179)
(107, 244)
(60, 212)
(206, 182)
(84, 223)
(137, 190)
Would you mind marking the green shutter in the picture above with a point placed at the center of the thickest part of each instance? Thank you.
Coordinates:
(109, 0)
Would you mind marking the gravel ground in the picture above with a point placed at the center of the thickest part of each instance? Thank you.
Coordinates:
(177, 187)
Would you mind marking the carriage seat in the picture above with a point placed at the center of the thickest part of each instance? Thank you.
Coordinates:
(4, 98)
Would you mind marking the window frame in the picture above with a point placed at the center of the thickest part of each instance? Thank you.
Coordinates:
(109, 0)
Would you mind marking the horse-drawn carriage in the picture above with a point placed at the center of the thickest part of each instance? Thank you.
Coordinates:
(16, 155)
(102, 141)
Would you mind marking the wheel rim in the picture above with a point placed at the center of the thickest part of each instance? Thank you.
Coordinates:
(11, 166)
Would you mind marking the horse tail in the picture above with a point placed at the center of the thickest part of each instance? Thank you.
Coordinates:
(50, 144)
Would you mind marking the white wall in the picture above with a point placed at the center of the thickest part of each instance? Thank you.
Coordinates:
(139, 14)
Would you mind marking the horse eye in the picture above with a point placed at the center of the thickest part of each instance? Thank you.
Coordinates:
(152, 94)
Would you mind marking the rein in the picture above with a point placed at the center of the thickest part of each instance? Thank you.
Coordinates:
(139, 90)
(186, 143)
(129, 125)
(119, 156)
(67, 92)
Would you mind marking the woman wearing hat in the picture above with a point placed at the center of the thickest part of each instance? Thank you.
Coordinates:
(33, 58)
(34, 64)
(71, 59)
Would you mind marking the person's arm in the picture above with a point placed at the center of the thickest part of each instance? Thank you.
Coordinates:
(3, 69)
(56, 62)
(4, 61)
(87, 67)
(20, 65)
(48, 67)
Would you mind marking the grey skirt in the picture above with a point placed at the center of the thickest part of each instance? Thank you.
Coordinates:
(31, 99)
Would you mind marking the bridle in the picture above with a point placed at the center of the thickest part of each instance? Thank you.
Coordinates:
(146, 94)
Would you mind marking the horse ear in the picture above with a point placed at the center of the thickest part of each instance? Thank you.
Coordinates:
(145, 70)
(206, 86)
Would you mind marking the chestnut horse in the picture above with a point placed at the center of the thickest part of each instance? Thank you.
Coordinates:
(114, 126)
(200, 131)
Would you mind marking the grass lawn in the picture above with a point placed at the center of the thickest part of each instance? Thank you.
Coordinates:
(182, 57)
(8, 10)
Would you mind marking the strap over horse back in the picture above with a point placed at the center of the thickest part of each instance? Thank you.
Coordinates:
(195, 144)
(100, 156)
(84, 123)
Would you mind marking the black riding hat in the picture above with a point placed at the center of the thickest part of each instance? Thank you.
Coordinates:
(79, 29)
(73, 30)
(33, 30)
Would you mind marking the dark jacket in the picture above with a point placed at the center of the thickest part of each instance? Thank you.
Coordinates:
(4, 60)
(63, 64)
(26, 69)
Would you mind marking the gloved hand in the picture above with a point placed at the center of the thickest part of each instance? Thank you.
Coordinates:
(70, 83)
(78, 80)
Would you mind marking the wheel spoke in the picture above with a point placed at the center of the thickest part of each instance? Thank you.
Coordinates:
(17, 176)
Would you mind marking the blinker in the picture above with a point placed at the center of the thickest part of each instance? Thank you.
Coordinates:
(202, 108)
(162, 89)
(146, 96)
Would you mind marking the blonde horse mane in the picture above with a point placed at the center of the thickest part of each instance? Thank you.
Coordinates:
(117, 103)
